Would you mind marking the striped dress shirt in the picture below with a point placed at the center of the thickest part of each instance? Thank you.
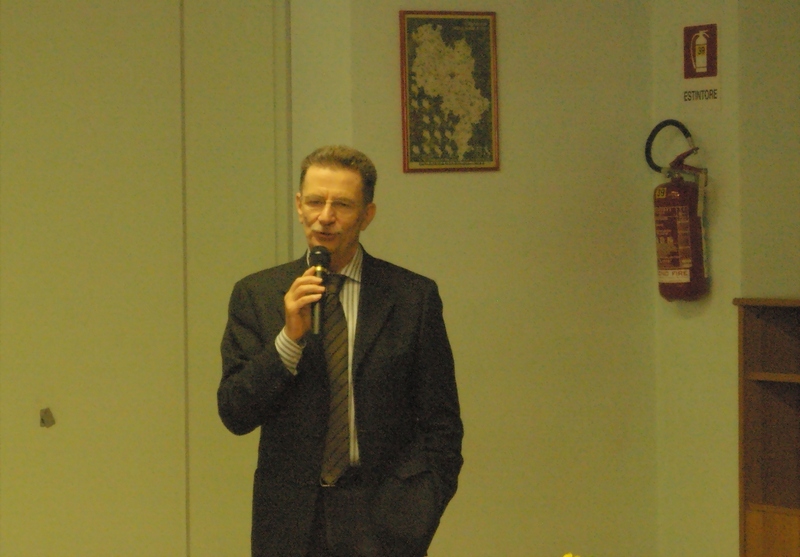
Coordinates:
(291, 351)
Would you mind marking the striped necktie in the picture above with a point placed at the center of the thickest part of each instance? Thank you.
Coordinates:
(336, 457)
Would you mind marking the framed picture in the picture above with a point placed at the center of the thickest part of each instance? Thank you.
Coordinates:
(449, 79)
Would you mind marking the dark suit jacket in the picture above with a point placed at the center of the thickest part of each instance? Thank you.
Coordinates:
(407, 410)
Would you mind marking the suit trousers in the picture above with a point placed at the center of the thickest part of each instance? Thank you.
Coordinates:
(344, 527)
(342, 523)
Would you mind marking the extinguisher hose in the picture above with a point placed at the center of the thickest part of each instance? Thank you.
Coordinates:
(649, 145)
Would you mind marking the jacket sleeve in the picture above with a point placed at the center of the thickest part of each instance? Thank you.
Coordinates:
(253, 375)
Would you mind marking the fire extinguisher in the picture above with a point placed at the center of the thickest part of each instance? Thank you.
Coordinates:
(678, 211)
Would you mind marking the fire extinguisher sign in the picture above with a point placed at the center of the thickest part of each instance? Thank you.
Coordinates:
(700, 61)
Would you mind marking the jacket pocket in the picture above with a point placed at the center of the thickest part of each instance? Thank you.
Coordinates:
(407, 504)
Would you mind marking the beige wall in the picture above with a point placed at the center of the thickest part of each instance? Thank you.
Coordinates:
(139, 156)
(770, 128)
(92, 277)
(142, 171)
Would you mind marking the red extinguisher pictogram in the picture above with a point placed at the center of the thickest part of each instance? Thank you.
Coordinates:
(680, 235)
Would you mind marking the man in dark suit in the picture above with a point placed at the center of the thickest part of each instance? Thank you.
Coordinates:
(394, 398)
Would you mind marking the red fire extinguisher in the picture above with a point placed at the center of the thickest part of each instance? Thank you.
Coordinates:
(678, 211)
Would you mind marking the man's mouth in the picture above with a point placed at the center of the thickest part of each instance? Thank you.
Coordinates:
(325, 235)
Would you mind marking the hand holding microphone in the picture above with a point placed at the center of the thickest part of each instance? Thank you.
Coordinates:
(301, 302)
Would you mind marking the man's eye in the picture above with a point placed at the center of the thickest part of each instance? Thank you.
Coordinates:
(315, 202)
(343, 205)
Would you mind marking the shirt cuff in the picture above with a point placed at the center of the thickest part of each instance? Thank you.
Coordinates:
(289, 351)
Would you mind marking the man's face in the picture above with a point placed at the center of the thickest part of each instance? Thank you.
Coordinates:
(331, 207)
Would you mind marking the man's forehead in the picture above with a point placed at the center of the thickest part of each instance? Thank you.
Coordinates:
(323, 173)
(332, 167)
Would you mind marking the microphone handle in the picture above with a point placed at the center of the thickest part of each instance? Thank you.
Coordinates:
(316, 308)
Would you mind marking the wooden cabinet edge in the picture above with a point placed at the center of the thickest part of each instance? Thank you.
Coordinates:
(767, 302)
(773, 377)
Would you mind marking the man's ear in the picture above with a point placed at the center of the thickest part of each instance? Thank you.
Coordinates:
(369, 214)
(298, 204)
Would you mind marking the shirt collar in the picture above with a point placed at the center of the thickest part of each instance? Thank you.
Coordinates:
(353, 269)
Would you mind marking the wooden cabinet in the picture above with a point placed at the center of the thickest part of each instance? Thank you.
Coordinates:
(769, 427)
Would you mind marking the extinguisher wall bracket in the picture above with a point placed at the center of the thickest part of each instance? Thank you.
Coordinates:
(648, 147)
(702, 182)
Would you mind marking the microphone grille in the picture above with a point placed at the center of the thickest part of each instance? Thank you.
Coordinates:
(320, 256)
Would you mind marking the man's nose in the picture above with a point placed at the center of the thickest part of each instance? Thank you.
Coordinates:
(328, 214)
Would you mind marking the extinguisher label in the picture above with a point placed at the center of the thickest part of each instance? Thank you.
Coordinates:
(674, 276)
(673, 243)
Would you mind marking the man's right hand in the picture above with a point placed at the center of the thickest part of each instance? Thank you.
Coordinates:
(305, 290)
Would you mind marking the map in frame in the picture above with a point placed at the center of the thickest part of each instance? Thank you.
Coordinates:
(449, 90)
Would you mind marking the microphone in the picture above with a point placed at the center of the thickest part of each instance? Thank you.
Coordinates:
(320, 259)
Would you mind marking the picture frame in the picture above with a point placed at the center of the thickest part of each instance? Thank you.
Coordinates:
(449, 91)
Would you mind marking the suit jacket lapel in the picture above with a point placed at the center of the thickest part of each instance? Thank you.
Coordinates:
(374, 306)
